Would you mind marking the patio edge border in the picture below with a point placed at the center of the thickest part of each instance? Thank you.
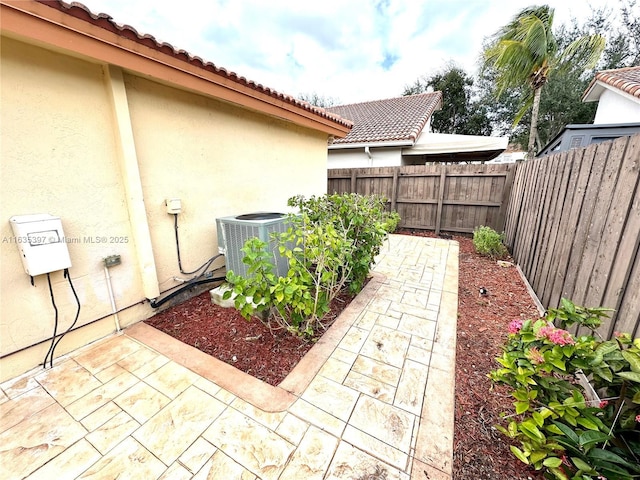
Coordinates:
(256, 392)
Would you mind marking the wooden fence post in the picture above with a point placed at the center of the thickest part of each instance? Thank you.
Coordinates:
(394, 189)
(443, 179)
(354, 178)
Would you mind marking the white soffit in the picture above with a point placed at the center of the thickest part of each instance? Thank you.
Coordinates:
(435, 143)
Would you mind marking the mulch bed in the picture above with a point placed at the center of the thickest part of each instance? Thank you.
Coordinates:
(248, 345)
(480, 452)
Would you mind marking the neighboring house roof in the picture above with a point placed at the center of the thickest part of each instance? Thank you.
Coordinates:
(626, 80)
(394, 121)
(73, 28)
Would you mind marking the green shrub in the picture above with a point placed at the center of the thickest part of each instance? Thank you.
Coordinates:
(363, 220)
(558, 430)
(489, 242)
(330, 246)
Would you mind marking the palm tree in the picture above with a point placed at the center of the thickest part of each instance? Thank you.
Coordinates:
(525, 53)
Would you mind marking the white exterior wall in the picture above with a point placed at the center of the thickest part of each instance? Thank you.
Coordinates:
(614, 107)
(358, 158)
(61, 155)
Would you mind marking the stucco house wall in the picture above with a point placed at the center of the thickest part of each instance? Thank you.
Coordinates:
(102, 147)
(220, 161)
(617, 107)
(59, 157)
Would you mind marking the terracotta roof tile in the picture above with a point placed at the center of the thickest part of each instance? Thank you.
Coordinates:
(393, 119)
(624, 79)
(102, 20)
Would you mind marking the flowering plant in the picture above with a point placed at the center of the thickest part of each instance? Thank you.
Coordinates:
(558, 429)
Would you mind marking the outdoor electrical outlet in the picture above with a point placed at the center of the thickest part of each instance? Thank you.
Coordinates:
(174, 205)
(112, 261)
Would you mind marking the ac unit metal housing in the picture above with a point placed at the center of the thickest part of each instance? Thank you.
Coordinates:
(235, 230)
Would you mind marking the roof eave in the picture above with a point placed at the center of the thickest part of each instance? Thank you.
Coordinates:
(392, 143)
(597, 87)
(38, 24)
(593, 91)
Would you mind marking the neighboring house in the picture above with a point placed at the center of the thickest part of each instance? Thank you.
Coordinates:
(582, 135)
(395, 132)
(618, 113)
(512, 154)
(100, 127)
(618, 95)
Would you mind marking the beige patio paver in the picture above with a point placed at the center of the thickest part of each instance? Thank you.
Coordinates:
(373, 397)
(174, 428)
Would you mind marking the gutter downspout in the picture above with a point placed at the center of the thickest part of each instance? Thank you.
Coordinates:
(367, 150)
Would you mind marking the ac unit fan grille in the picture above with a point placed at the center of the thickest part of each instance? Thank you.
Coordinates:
(235, 234)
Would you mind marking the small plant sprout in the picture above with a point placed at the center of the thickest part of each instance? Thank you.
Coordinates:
(489, 242)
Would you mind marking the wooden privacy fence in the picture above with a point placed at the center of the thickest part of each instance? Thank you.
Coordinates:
(573, 226)
(455, 198)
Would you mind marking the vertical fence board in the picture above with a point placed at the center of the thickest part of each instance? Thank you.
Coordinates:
(443, 179)
(524, 234)
(627, 318)
(585, 157)
(532, 217)
(617, 193)
(623, 225)
(503, 195)
(584, 222)
(514, 210)
(562, 210)
(586, 242)
(545, 222)
(583, 292)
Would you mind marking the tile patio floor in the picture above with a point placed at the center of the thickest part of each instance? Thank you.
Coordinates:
(375, 397)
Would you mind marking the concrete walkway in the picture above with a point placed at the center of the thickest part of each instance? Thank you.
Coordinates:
(372, 400)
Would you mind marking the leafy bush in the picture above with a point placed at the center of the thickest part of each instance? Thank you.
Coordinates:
(558, 430)
(489, 242)
(331, 245)
(362, 220)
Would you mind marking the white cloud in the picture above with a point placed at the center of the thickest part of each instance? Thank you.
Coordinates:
(353, 51)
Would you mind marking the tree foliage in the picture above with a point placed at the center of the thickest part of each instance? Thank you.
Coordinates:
(460, 113)
(561, 100)
(561, 97)
(317, 100)
(525, 53)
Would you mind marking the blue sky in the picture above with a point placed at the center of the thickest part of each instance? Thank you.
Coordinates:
(351, 51)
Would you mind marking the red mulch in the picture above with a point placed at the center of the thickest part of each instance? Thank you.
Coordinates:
(247, 345)
(480, 452)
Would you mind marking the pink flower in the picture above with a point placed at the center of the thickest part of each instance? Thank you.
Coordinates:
(556, 335)
(638, 418)
(535, 356)
(515, 325)
(603, 403)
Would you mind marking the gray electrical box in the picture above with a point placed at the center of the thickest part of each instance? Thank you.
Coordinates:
(41, 242)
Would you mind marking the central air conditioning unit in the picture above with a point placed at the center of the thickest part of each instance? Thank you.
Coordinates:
(234, 231)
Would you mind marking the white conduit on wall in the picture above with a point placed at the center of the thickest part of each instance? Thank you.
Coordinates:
(114, 310)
